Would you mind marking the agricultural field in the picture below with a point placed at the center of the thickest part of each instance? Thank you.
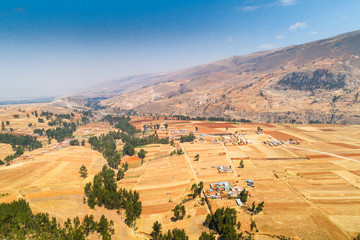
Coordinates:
(51, 183)
(307, 175)
(5, 150)
(20, 116)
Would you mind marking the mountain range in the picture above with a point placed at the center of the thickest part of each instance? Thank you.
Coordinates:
(316, 82)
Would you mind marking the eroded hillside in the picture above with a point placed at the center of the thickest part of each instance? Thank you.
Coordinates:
(313, 82)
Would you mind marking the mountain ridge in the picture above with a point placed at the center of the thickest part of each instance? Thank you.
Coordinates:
(247, 86)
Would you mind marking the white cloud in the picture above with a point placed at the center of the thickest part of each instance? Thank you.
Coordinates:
(298, 25)
(271, 4)
(287, 2)
(249, 8)
(279, 36)
(314, 32)
(267, 46)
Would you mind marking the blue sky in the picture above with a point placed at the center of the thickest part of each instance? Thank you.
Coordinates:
(59, 46)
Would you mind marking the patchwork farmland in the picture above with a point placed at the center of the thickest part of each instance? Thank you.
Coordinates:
(308, 176)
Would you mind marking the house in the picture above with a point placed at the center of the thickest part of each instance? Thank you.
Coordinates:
(220, 185)
(224, 169)
(238, 201)
(250, 182)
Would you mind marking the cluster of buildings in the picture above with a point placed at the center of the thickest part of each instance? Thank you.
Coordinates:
(277, 143)
(220, 190)
(58, 146)
(273, 143)
(176, 135)
(236, 139)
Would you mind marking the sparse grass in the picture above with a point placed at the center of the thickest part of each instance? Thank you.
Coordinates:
(141, 146)
(147, 146)
(135, 176)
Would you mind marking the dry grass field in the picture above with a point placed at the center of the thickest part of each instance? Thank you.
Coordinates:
(307, 194)
(51, 183)
(5, 150)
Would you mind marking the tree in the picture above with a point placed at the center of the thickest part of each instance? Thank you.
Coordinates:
(241, 164)
(252, 208)
(191, 137)
(243, 195)
(156, 232)
(125, 166)
(206, 236)
(120, 175)
(196, 158)
(74, 142)
(166, 126)
(257, 209)
(238, 225)
(197, 189)
(196, 129)
(175, 234)
(2, 126)
(128, 149)
(179, 212)
(142, 155)
(259, 129)
(130, 216)
(223, 221)
(83, 142)
(253, 225)
(172, 142)
(260, 207)
(83, 171)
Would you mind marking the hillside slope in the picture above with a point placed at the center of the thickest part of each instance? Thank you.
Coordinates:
(316, 81)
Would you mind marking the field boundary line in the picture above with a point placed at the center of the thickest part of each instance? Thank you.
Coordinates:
(229, 159)
(189, 163)
(326, 153)
(193, 172)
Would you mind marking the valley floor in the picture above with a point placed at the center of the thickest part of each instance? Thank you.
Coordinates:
(310, 189)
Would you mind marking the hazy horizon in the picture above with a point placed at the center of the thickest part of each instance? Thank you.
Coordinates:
(62, 47)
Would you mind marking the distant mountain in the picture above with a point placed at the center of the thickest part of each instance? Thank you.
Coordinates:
(313, 82)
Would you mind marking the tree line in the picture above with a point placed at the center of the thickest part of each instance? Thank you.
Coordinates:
(106, 144)
(28, 142)
(189, 138)
(18, 222)
(122, 123)
(62, 132)
(19, 144)
(103, 192)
